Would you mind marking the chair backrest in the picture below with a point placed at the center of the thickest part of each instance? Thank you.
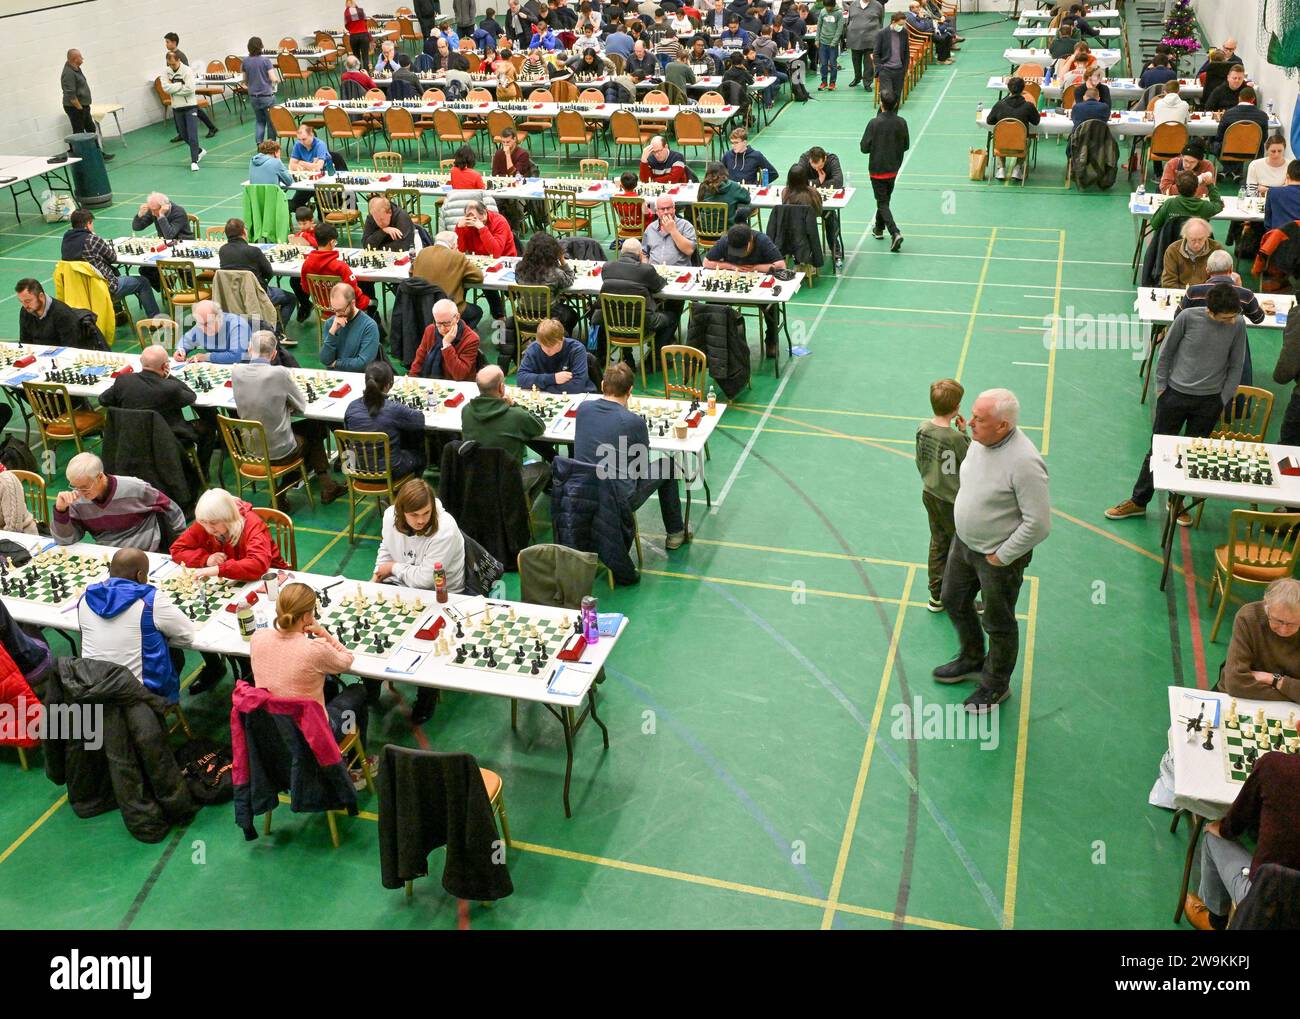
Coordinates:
(446, 165)
(162, 331)
(287, 65)
(711, 221)
(1263, 540)
(591, 95)
(656, 96)
(318, 288)
(215, 233)
(1033, 91)
(163, 97)
(51, 405)
(234, 64)
(246, 443)
(528, 305)
(434, 95)
(498, 121)
(325, 92)
(325, 41)
(685, 371)
(474, 62)
(193, 221)
(478, 95)
(593, 169)
(564, 91)
(517, 60)
(283, 122)
(399, 123)
(541, 95)
(624, 316)
(216, 67)
(388, 162)
(288, 42)
(569, 124)
(689, 128)
(624, 127)
(406, 30)
(364, 457)
(375, 95)
(34, 494)
(407, 199)
(1241, 141)
(1245, 418)
(446, 124)
(629, 210)
(178, 278)
(1010, 137)
(330, 198)
(340, 125)
(711, 99)
(280, 524)
(1168, 140)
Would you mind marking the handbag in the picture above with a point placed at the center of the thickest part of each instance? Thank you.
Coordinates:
(979, 163)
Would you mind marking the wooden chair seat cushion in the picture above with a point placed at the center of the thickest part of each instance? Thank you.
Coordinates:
(256, 470)
(84, 420)
(1253, 571)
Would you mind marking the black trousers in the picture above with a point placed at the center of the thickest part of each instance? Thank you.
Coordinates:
(883, 189)
(966, 574)
(891, 81)
(864, 65)
(80, 119)
(360, 45)
(1291, 422)
(1177, 414)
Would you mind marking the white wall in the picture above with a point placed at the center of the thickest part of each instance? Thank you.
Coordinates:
(1240, 20)
(122, 44)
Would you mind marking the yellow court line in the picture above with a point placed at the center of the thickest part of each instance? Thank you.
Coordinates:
(1022, 755)
(317, 557)
(855, 805)
(865, 440)
(975, 306)
(319, 530)
(30, 831)
(818, 429)
(782, 550)
(1051, 351)
(760, 585)
(857, 413)
(981, 226)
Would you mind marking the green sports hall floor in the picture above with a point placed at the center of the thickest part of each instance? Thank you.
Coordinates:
(752, 778)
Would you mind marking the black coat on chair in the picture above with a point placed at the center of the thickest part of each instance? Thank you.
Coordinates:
(140, 443)
(796, 233)
(483, 488)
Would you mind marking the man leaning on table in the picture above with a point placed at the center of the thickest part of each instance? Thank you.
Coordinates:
(216, 336)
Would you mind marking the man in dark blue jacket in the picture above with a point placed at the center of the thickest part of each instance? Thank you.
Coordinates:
(555, 363)
(617, 441)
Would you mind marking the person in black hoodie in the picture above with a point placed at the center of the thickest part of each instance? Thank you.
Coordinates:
(1013, 106)
(886, 142)
(237, 253)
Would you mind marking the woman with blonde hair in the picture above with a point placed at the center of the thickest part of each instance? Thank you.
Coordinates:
(298, 658)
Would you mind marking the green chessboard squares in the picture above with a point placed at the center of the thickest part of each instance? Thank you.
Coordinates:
(53, 577)
(1254, 736)
(200, 598)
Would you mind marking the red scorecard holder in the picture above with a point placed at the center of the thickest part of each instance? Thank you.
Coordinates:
(694, 419)
(1289, 467)
(600, 106)
(572, 412)
(454, 401)
(23, 362)
(573, 648)
(126, 369)
(767, 282)
(596, 271)
(684, 278)
(431, 631)
(387, 176)
(595, 187)
(342, 390)
(251, 598)
(839, 193)
(230, 382)
(496, 268)
(402, 261)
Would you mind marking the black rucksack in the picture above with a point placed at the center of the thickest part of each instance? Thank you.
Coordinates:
(16, 455)
(208, 768)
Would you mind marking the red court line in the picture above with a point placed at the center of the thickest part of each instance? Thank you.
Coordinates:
(1193, 609)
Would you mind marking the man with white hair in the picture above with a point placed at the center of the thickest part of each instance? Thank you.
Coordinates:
(388, 226)
(661, 164)
(669, 239)
(1184, 260)
(1264, 656)
(113, 509)
(1196, 376)
(352, 340)
(1228, 50)
(217, 336)
(170, 221)
(445, 267)
(154, 387)
(268, 393)
(449, 349)
(1002, 512)
(1219, 267)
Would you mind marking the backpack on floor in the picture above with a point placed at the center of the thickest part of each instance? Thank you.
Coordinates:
(16, 455)
(208, 768)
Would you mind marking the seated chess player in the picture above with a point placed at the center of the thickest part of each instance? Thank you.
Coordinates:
(1263, 661)
(237, 253)
(1185, 259)
(630, 274)
(744, 249)
(298, 657)
(373, 411)
(388, 226)
(14, 514)
(446, 268)
(352, 340)
(126, 620)
(1267, 807)
(216, 336)
(617, 441)
(1219, 267)
(555, 363)
(670, 238)
(112, 509)
(449, 348)
(82, 244)
(268, 393)
(227, 539)
(1244, 110)
(1269, 171)
(1191, 161)
(416, 535)
(661, 164)
(493, 420)
(43, 319)
(1186, 203)
(1282, 204)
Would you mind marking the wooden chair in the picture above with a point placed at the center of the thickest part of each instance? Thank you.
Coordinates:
(593, 170)
(710, 220)
(1033, 92)
(367, 468)
(656, 97)
(162, 331)
(571, 129)
(1261, 548)
(528, 305)
(627, 324)
(536, 123)
(1244, 419)
(562, 216)
(339, 125)
(291, 71)
(1241, 143)
(352, 749)
(686, 370)
(430, 95)
(193, 221)
(591, 95)
(215, 235)
(691, 132)
(387, 162)
(56, 418)
(34, 495)
(283, 124)
(288, 42)
(180, 284)
(280, 525)
(1011, 141)
(498, 121)
(318, 288)
(400, 126)
(449, 129)
(1166, 142)
(331, 202)
(1030, 72)
(564, 91)
(625, 133)
(629, 216)
(218, 91)
(246, 445)
(409, 200)
(408, 33)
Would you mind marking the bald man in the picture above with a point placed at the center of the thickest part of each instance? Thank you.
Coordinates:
(76, 96)
(492, 419)
(154, 387)
(126, 620)
(388, 226)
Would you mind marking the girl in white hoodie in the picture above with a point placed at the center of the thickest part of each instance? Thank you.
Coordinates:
(418, 533)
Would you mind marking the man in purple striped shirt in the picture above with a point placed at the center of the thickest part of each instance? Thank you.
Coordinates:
(114, 509)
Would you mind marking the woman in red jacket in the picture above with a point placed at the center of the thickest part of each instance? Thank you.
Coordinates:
(358, 30)
(227, 539)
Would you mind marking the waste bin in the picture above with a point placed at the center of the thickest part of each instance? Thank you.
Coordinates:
(89, 177)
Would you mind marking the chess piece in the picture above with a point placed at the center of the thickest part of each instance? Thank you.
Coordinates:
(1232, 715)
(1209, 738)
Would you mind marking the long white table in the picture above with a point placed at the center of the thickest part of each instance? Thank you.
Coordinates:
(1106, 14)
(1016, 57)
(1121, 89)
(1123, 124)
(17, 173)
(560, 687)
(710, 114)
(1042, 32)
(1158, 305)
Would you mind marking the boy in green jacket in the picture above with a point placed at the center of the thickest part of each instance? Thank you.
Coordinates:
(1185, 203)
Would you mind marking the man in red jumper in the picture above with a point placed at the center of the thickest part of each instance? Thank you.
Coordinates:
(326, 261)
(484, 232)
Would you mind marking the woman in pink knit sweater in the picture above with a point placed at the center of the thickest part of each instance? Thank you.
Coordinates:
(297, 657)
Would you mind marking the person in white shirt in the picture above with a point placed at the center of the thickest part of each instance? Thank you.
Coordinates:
(127, 621)
(1170, 106)
(681, 25)
(1269, 172)
(417, 534)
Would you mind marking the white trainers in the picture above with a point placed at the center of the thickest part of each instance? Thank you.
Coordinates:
(1000, 172)
(194, 166)
(1019, 172)
(202, 153)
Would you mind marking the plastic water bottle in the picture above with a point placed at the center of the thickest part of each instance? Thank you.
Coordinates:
(440, 582)
(713, 402)
(762, 177)
(1047, 75)
(1142, 193)
(590, 621)
(244, 615)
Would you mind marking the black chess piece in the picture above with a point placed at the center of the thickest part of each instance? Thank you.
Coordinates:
(473, 651)
(460, 654)
(460, 630)
(1209, 739)
(536, 667)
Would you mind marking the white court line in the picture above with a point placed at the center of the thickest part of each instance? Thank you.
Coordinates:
(1032, 364)
(812, 329)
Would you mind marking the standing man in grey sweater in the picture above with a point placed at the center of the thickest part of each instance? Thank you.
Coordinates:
(267, 393)
(1199, 370)
(76, 96)
(1002, 511)
(863, 22)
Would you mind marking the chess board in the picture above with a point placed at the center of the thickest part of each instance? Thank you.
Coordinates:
(191, 249)
(200, 598)
(316, 385)
(285, 253)
(72, 376)
(724, 281)
(1244, 743)
(133, 245)
(421, 394)
(379, 625)
(546, 406)
(506, 637)
(1226, 460)
(54, 577)
(204, 376)
(92, 361)
(371, 259)
(660, 415)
